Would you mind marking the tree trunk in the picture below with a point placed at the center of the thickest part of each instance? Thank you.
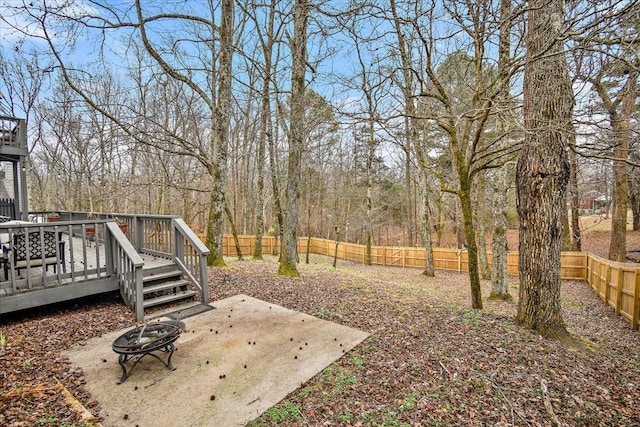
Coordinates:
(265, 113)
(574, 196)
(466, 203)
(221, 123)
(234, 232)
(308, 249)
(634, 201)
(215, 224)
(371, 151)
(480, 219)
(620, 123)
(409, 204)
(459, 225)
(543, 169)
(440, 222)
(499, 247)
(275, 184)
(296, 137)
(620, 205)
(425, 225)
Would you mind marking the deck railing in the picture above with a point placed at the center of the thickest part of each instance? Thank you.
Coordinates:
(12, 132)
(75, 255)
(191, 256)
(127, 264)
(161, 236)
(62, 259)
(149, 234)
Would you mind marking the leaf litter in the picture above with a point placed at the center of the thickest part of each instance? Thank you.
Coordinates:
(430, 359)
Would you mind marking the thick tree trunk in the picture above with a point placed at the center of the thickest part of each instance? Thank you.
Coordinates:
(296, 137)
(543, 169)
(215, 225)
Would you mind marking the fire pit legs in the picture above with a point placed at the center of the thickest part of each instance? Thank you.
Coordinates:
(123, 358)
(143, 341)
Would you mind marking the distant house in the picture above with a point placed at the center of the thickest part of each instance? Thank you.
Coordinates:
(593, 201)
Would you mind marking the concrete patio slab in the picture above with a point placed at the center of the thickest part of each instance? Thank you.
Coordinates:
(232, 364)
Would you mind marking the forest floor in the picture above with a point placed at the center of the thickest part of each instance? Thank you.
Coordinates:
(430, 359)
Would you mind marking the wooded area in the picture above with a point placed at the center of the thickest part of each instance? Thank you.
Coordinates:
(393, 123)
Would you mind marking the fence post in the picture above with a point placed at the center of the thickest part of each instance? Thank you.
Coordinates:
(636, 303)
(619, 290)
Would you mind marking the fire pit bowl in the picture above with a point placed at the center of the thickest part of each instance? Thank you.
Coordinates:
(143, 341)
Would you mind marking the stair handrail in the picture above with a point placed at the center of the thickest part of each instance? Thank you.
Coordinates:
(127, 265)
(195, 270)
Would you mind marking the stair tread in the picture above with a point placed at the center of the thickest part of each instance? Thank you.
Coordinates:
(164, 286)
(162, 275)
(163, 312)
(169, 298)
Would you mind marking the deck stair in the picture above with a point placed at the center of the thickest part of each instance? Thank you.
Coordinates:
(165, 285)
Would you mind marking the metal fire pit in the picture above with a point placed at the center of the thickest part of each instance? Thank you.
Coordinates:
(144, 341)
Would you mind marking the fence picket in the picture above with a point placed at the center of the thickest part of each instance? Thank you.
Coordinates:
(636, 302)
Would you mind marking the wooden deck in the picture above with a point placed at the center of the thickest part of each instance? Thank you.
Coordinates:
(101, 255)
(85, 261)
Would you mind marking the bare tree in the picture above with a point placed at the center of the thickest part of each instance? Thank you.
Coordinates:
(460, 90)
(499, 249)
(201, 60)
(267, 36)
(296, 138)
(606, 58)
(369, 84)
(414, 142)
(543, 169)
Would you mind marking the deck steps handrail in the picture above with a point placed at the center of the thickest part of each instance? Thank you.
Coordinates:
(190, 254)
(127, 264)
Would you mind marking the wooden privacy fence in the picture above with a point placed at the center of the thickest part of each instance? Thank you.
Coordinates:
(617, 284)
